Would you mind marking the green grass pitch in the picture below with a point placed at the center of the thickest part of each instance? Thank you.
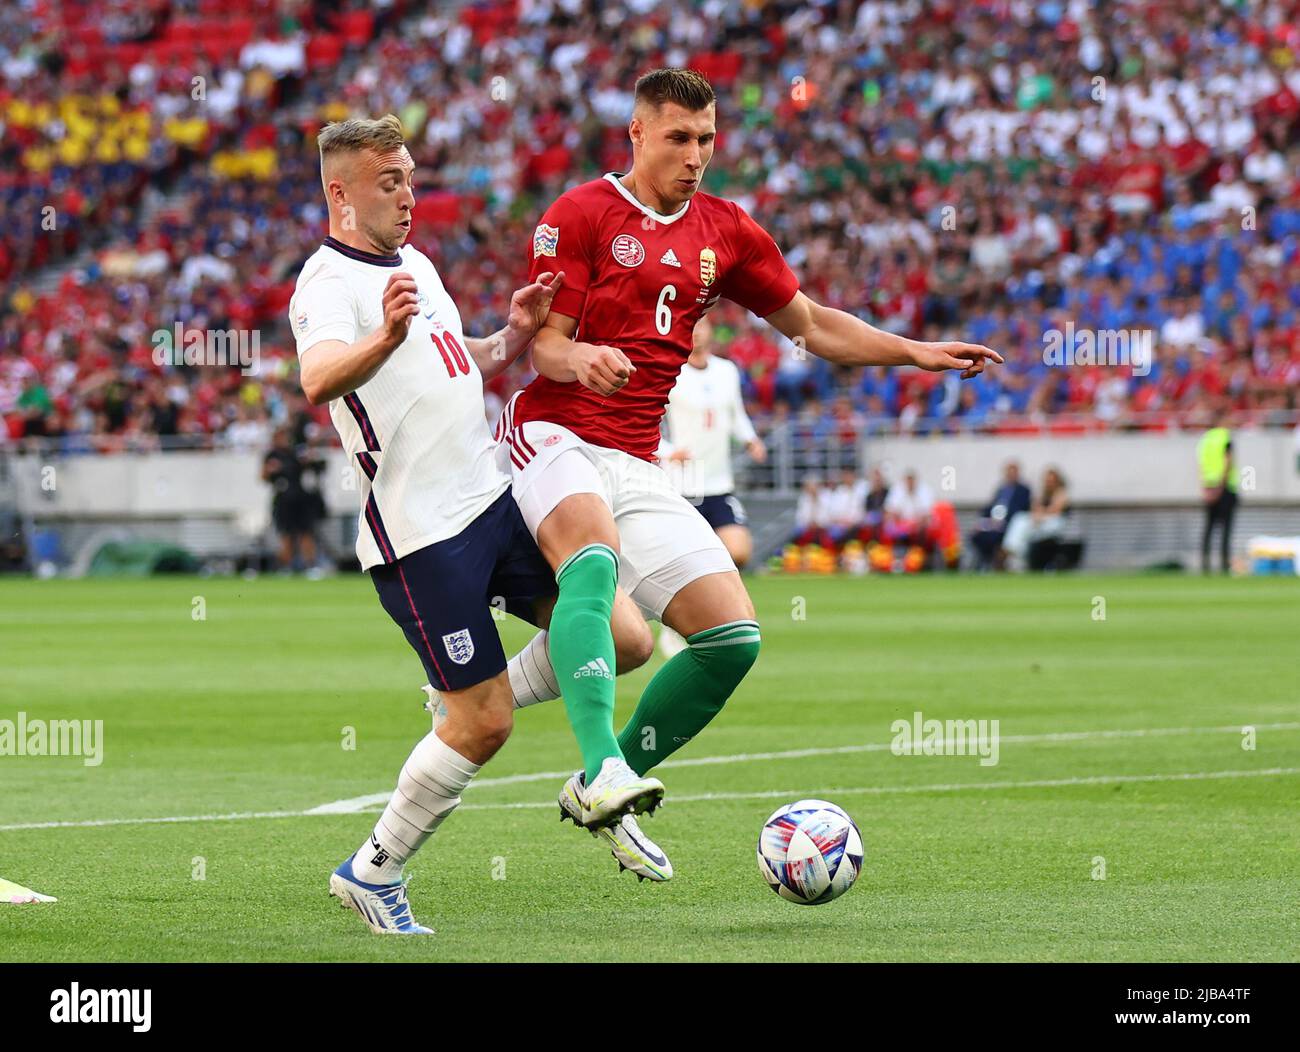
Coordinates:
(243, 712)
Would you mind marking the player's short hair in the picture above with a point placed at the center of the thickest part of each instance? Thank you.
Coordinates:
(384, 133)
(688, 89)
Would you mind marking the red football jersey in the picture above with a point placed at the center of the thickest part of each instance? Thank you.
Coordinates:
(639, 281)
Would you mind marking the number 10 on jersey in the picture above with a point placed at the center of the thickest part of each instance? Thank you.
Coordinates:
(453, 354)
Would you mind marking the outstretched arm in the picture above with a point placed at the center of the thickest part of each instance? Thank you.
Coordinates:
(529, 307)
(841, 338)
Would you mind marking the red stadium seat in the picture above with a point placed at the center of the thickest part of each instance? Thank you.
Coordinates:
(324, 50)
(85, 35)
(488, 21)
(440, 208)
(221, 52)
(184, 31)
(240, 32)
(720, 67)
(357, 27)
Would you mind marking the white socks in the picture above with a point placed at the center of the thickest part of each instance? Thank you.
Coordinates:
(531, 677)
(428, 790)
(434, 775)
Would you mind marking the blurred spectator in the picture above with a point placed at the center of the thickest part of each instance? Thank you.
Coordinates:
(1046, 520)
(1219, 483)
(812, 513)
(296, 503)
(873, 517)
(1009, 500)
(249, 430)
(908, 509)
(846, 507)
(1183, 329)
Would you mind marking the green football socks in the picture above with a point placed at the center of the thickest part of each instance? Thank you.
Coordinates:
(687, 692)
(582, 649)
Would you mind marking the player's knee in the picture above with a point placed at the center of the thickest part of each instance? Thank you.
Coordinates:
(587, 581)
(747, 654)
(633, 648)
(492, 728)
(477, 728)
(731, 650)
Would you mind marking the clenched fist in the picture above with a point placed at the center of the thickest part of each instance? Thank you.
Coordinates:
(603, 369)
(401, 304)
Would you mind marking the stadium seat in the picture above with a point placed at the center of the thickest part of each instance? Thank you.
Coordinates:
(324, 50)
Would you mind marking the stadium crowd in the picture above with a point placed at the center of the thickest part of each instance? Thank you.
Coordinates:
(859, 524)
(993, 171)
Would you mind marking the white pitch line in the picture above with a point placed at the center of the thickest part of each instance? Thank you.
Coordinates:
(789, 794)
(94, 823)
(951, 787)
(361, 803)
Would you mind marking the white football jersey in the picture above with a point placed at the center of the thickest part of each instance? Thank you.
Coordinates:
(415, 432)
(706, 410)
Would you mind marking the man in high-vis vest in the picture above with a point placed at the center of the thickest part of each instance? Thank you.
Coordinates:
(1218, 488)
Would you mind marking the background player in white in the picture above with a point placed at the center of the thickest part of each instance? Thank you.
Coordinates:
(704, 416)
(380, 340)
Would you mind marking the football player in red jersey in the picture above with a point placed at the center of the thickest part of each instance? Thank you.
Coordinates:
(644, 255)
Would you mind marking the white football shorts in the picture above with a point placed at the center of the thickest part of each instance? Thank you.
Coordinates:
(664, 542)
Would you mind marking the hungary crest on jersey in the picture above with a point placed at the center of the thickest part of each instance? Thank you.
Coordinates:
(708, 266)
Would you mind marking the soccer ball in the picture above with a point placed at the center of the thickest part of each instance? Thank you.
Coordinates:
(810, 852)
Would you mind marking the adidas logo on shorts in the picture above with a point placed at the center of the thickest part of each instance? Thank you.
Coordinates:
(595, 667)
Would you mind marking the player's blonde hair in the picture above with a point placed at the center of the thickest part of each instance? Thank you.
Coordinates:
(359, 133)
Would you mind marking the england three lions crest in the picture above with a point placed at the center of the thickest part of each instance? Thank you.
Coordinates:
(460, 647)
(545, 240)
(708, 266)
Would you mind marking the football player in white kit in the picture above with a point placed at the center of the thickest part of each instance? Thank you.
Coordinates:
(380, 340)
(705, 414)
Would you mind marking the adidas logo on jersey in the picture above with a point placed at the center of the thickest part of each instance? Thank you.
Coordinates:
(595, 667)
(670, 257)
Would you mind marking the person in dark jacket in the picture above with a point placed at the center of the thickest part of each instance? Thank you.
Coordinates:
(296, 506)
(1011, 496)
